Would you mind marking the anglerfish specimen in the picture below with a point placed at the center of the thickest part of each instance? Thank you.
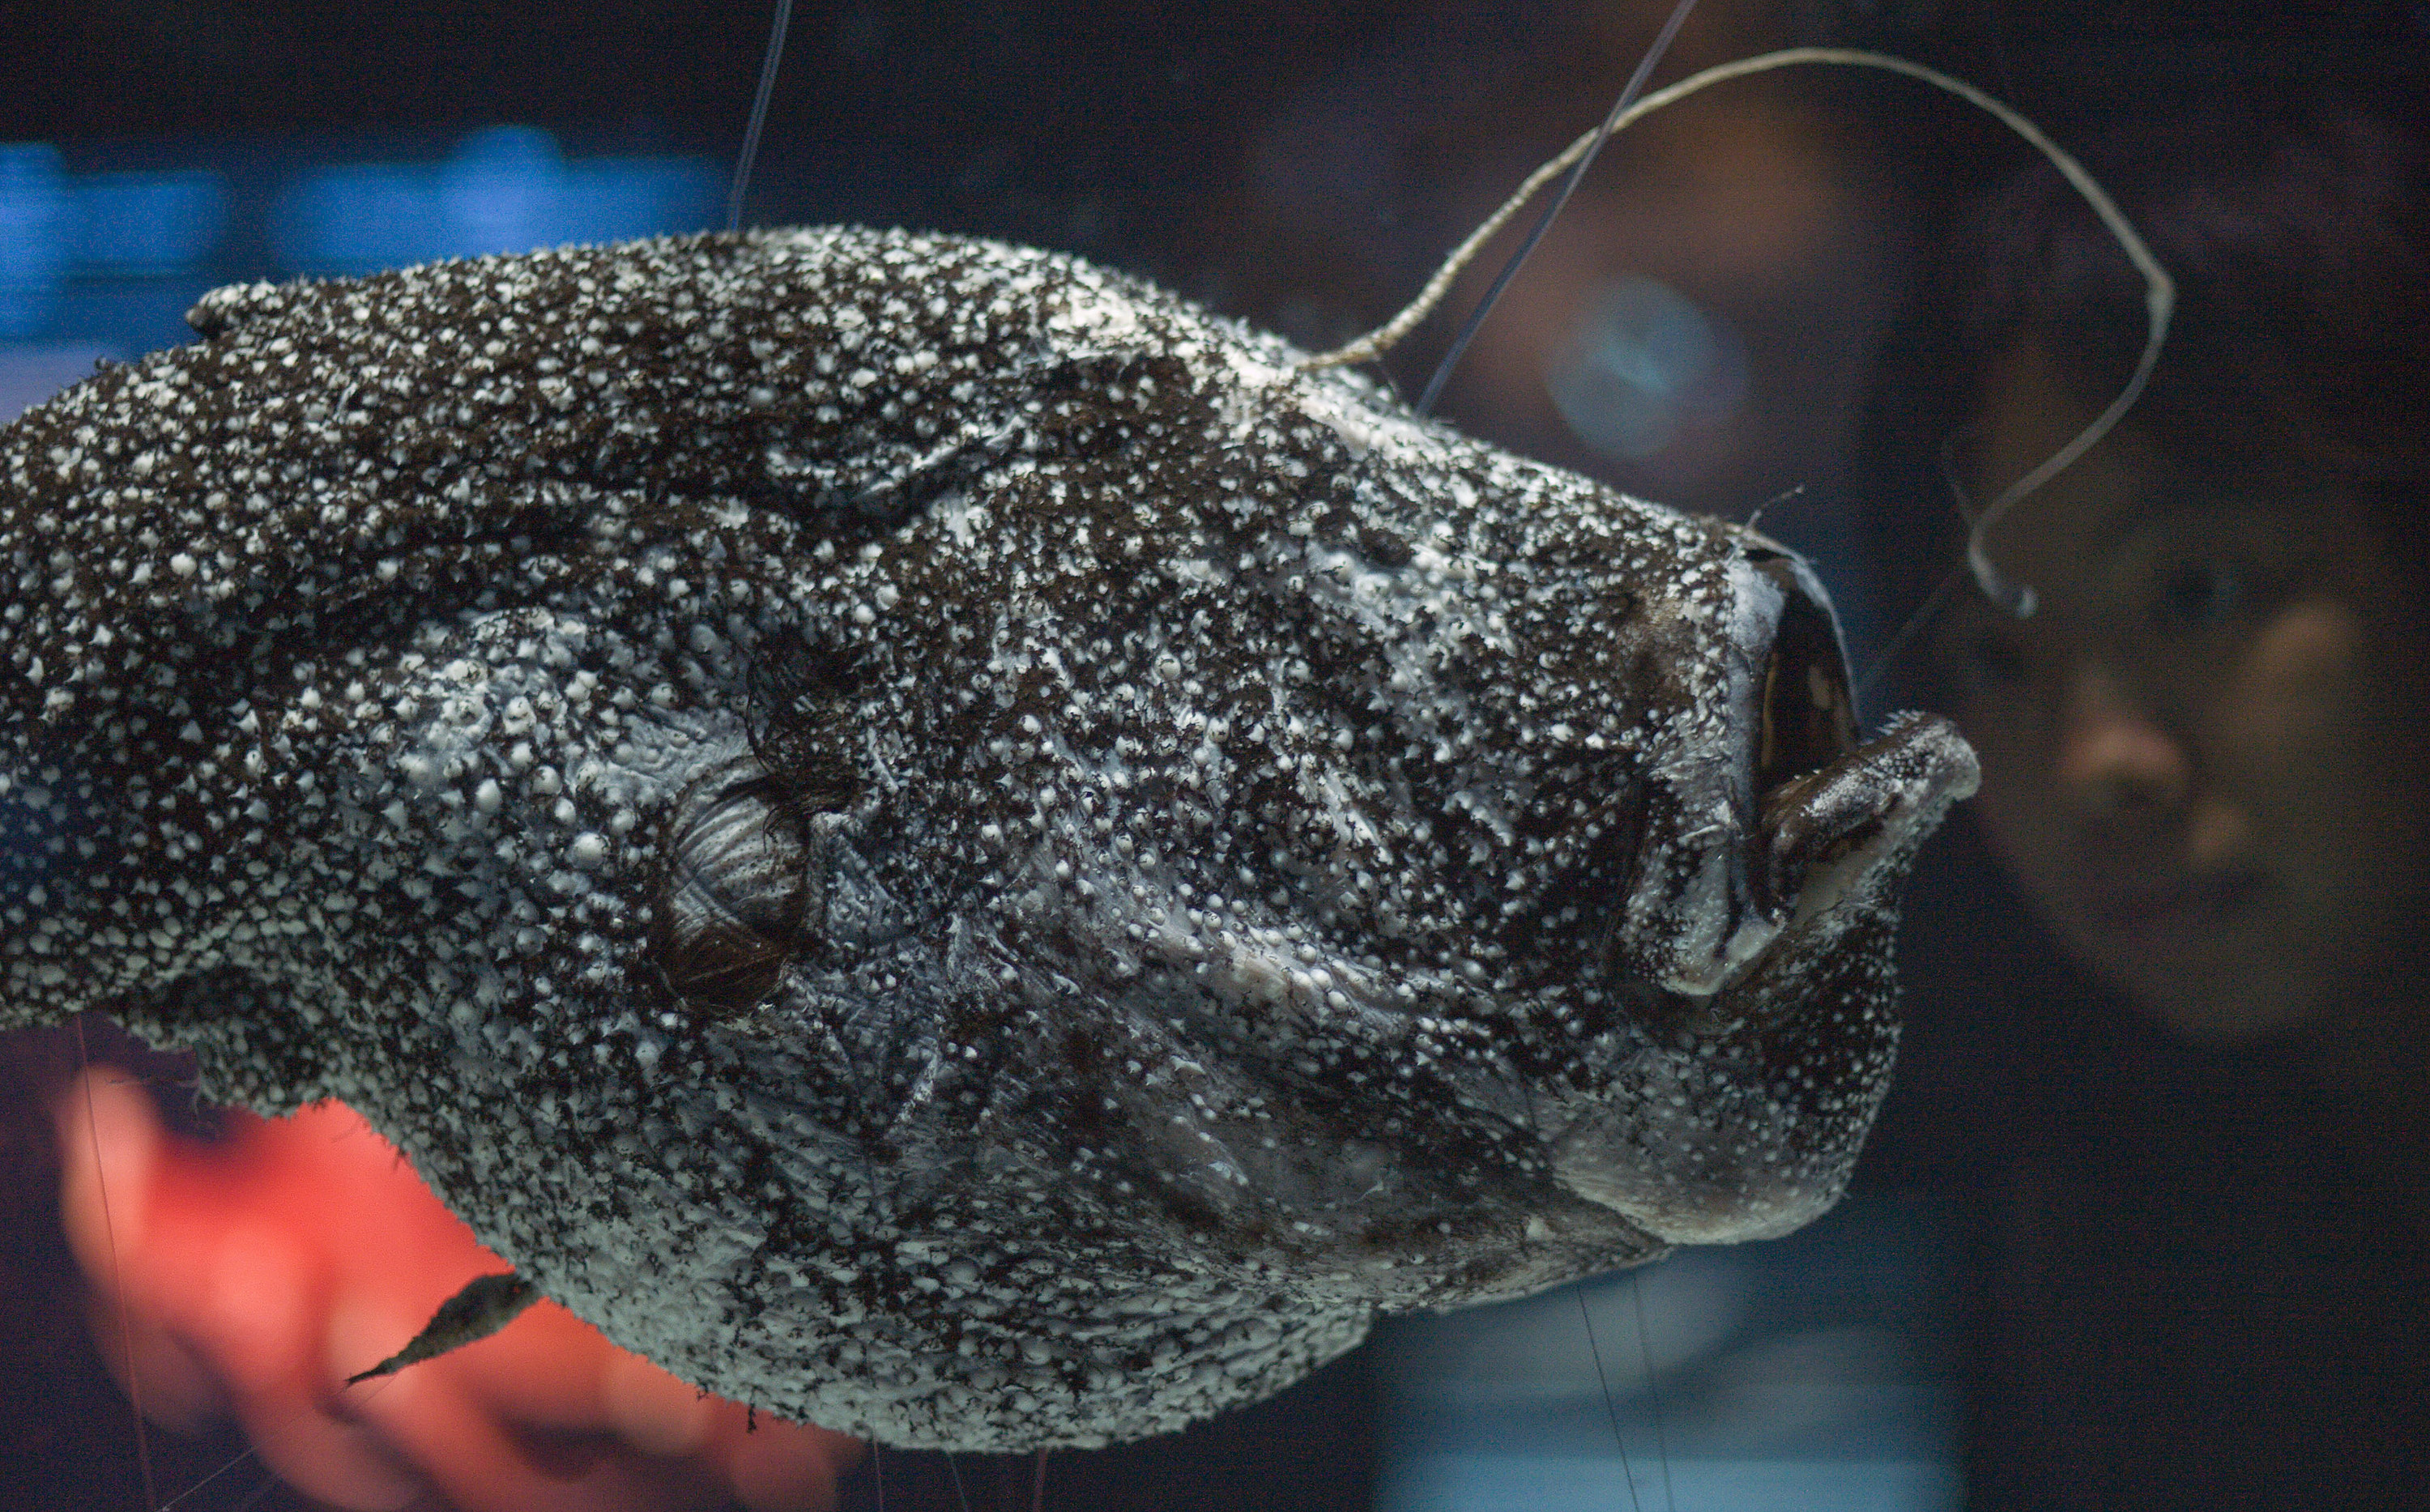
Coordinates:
(933, 838)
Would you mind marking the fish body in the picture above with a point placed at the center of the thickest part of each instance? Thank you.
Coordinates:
(932, 836)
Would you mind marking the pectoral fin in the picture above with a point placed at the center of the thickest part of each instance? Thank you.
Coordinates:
(485, 1305)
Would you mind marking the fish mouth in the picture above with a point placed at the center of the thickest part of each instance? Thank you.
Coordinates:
(1805, 717)
(1770, 928)
(1816, 817)
(1836, 818)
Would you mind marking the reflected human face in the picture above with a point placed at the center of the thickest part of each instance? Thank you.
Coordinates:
(2205, 756)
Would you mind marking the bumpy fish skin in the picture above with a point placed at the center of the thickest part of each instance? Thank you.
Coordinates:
(929, 835)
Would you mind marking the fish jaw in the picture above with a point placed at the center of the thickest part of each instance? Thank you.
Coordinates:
(1745, 1122)
(1757, 927)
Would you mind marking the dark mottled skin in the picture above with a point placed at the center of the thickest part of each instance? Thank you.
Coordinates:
(928, 835)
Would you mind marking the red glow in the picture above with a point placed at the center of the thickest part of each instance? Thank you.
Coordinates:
(259, 1271)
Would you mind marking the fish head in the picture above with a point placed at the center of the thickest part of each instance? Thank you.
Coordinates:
(1511, 852)
(933, 838)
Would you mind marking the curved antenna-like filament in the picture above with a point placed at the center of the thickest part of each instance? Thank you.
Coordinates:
(2159, 300)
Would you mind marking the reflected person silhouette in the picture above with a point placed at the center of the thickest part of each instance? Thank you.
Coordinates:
(2203, 756)
(2206, 769)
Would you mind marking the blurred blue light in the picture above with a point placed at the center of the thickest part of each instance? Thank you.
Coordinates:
(610, 199)
(149, 223)
(355, 218)
(503, 192)
(37, 227)
(507, 188)
(1643, 364)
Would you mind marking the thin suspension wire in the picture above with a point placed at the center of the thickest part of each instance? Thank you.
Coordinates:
(758, 115)
(961, 1498)
(110, 1232)
(1551, 212)
(1933, 604)
(1610, 1410)
(1038, 1486)
(2160, 289)
(1653, 1390)
(260, 1492)
(174, 1502)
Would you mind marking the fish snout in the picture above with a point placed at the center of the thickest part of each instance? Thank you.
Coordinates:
(1743, 1121)
(1835, 819)
(1791, 815)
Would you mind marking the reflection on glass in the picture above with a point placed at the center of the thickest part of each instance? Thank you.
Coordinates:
(1806, 1372)
(1643, 364)
(507, 189)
